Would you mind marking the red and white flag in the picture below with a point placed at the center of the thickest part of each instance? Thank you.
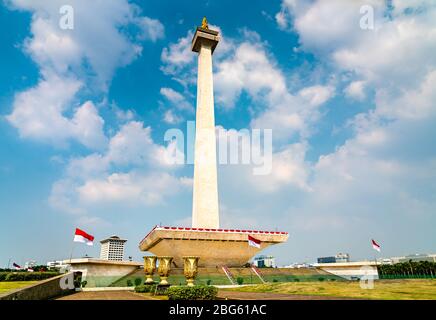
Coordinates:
(253, 242)
(82, 236)
(375, 245)
(16, 266)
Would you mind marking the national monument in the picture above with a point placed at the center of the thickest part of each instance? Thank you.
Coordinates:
(205, 239)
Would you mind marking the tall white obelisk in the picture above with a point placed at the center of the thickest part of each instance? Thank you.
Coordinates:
(205, 209)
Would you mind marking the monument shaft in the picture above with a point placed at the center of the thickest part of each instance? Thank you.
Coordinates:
(215, 247)
(205, 209)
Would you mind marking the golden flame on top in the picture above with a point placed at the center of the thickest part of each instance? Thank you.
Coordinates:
(204, 24)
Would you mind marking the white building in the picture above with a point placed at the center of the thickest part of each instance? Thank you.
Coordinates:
(57, 265)
(112, 249)
(351, 270)
(414, 257)
(342, 257)
(265, 262)
(29, 264)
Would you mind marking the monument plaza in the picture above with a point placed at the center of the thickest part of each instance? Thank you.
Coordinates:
(206, 240)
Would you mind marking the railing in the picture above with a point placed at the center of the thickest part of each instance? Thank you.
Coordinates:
(229, 275)
(257, 273)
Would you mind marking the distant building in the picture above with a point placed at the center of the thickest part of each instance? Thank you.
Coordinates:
(327, 260)
(29, 264)
(342, 257)
(413, 257)
(265, 262)
(56, 265)
(350, 270)
(112, 249)
(299, 265)
(339, 258)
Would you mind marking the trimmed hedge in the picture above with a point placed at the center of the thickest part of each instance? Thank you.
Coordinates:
(26, 276)
(192, 293)
(410, 269)
(145, 288)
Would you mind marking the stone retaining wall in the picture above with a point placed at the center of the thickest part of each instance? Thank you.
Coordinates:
(43, 290)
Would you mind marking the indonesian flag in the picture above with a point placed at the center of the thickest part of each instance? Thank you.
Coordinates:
(82, 236)
(16, 266)
(375, 245)
(30, 270)
(253, 242)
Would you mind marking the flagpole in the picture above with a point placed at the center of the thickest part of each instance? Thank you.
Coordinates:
(71, 253)
(375, 256)
(375, 260)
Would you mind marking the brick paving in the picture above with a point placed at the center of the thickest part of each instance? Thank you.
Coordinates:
(105, 295)
(234, 295)
(230, 295)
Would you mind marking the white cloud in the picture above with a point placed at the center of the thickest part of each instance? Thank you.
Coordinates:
(176, 99)
(282, 20)
(247, 68)
(62, 198)
(179, 60)
(131, 170)
(50, 48)
(171, 118)
(171, 95)
(97, 37)
(416, 103)
(317, 95)
(178, 55)
(373, 55)
(356, 90)
(152, 29)
(401, 5)
(93, 165)
(288, 169)
(282, 119)
(130, 188)
(131, 145)
(380, 182)
(289, 114)
(72, 59)
(285, 168)
(327, 25)
(39, 114)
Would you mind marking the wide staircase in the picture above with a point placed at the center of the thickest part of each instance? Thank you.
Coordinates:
(218, 276)
(296, 274)
(206, 276)
(258, 273)
(229, 275)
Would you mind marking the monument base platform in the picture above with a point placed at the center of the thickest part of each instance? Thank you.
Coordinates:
(215, 247)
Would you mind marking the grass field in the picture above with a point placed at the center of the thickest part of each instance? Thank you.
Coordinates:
(383, 289)
(12, 285)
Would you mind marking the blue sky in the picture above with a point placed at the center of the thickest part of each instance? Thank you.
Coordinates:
(83, 113)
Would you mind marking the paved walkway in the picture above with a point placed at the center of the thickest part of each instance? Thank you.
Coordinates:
(234, 295)
(230, 295)
(105, 295)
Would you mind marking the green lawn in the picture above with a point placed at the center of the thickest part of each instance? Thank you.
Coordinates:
(6, 286)
(383, 289)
